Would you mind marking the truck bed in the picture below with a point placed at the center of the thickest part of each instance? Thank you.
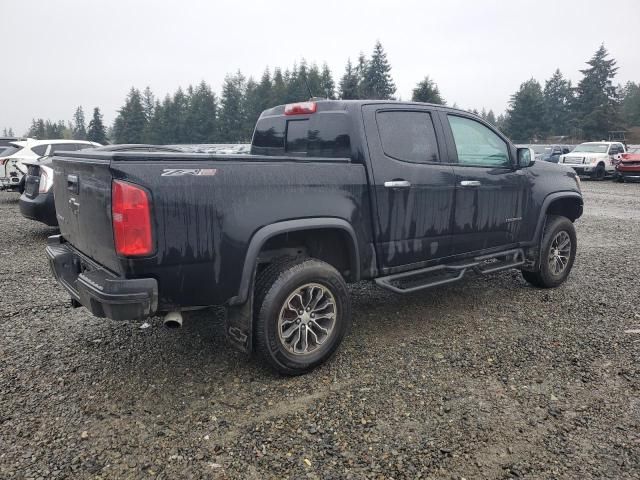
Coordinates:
(201, 205)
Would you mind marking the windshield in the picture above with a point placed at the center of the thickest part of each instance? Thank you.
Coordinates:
(540, 149)
(9, 151)
(592, 148)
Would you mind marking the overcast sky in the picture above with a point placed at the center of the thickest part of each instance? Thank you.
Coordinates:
(58, 54)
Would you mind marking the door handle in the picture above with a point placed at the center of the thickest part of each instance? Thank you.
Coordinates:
(470, 183)
(72, 184)
(397, 184)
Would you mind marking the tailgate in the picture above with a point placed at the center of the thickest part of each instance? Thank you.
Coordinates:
(82, 191)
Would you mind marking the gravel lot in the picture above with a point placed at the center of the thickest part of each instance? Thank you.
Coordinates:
(488, 378)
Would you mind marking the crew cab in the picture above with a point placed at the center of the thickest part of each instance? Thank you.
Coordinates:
(594, 159)
(409, 195)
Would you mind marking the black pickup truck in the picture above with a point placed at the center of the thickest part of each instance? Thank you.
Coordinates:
(410, 195)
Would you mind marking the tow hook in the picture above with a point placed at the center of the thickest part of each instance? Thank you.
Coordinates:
(172, 320)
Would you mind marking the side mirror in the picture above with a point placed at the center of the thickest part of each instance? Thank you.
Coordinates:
(526, 157)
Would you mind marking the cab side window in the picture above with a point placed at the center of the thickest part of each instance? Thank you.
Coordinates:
(408, 136)
(478, 145)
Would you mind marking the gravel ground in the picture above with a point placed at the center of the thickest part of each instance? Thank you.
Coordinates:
(488, 378)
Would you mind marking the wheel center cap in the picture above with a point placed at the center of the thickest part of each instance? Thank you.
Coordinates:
(304, 318)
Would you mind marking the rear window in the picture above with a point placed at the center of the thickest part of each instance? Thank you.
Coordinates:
(10, 151)
(324, 135)
(297, 136)
(66, 147)
(269, 135)
(408, 136)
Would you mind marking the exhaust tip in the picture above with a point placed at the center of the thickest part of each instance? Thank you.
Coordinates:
(172, 320)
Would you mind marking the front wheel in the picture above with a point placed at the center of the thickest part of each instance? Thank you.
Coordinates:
(303, 311)
(599, 173)
(557, 253)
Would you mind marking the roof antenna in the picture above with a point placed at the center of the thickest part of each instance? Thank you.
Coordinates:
(311, 97)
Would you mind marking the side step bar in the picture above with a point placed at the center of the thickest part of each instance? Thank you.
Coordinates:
(407, 282)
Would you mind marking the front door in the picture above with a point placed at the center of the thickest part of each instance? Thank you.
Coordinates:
(414, 191)
(491, 194)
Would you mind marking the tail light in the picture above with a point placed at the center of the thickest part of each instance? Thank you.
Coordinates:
(131, 219)
(46, 179)
(302, 108)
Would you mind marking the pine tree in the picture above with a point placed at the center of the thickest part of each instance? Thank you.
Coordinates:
(11, 134)
(279, 88)
(349, 83)
(96, 131)
(231, 120)
(427, 91)
(597, 103)
(200, 122)
(526, 112)
(148, 102)
(378, 83)
(252, 107)
(502, 122)
(79, 129)
(159, 131)
(558, 98)
(314, 81)
(327, 85)
(129, 126)
(361, 73)
(630, 104)
(491, 117)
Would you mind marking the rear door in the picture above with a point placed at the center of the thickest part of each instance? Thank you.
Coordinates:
(82, 192)
(491, 195)
(413, 190)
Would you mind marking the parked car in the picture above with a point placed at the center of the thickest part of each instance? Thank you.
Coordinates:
(12, 162)
(37, 203)
(550, 153)
(7, 141)
(411, 195)
(628, 168)
(594, 159)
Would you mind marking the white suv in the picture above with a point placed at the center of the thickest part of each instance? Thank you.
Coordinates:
(594, 159)
(12, 166)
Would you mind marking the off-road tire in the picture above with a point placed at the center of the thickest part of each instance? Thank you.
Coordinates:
(544, 277)
(274, 285)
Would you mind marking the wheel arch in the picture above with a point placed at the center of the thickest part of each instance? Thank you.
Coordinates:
(270, 232)
(567, 204)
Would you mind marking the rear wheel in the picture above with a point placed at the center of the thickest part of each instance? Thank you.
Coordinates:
(303, 312)
(557, 253)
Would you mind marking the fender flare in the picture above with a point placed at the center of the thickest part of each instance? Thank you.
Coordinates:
(261, 236)
(537, 236)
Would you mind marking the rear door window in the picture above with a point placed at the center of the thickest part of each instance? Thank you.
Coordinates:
(408, 136)
(478, 145)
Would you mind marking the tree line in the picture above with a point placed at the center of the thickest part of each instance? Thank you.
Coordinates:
(589, 110)
(196, 114)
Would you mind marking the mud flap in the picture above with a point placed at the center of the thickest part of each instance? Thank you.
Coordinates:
(239, 325)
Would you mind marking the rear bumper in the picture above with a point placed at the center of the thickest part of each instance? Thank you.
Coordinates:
(100, 291)
(11, 183)
(41, 208)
